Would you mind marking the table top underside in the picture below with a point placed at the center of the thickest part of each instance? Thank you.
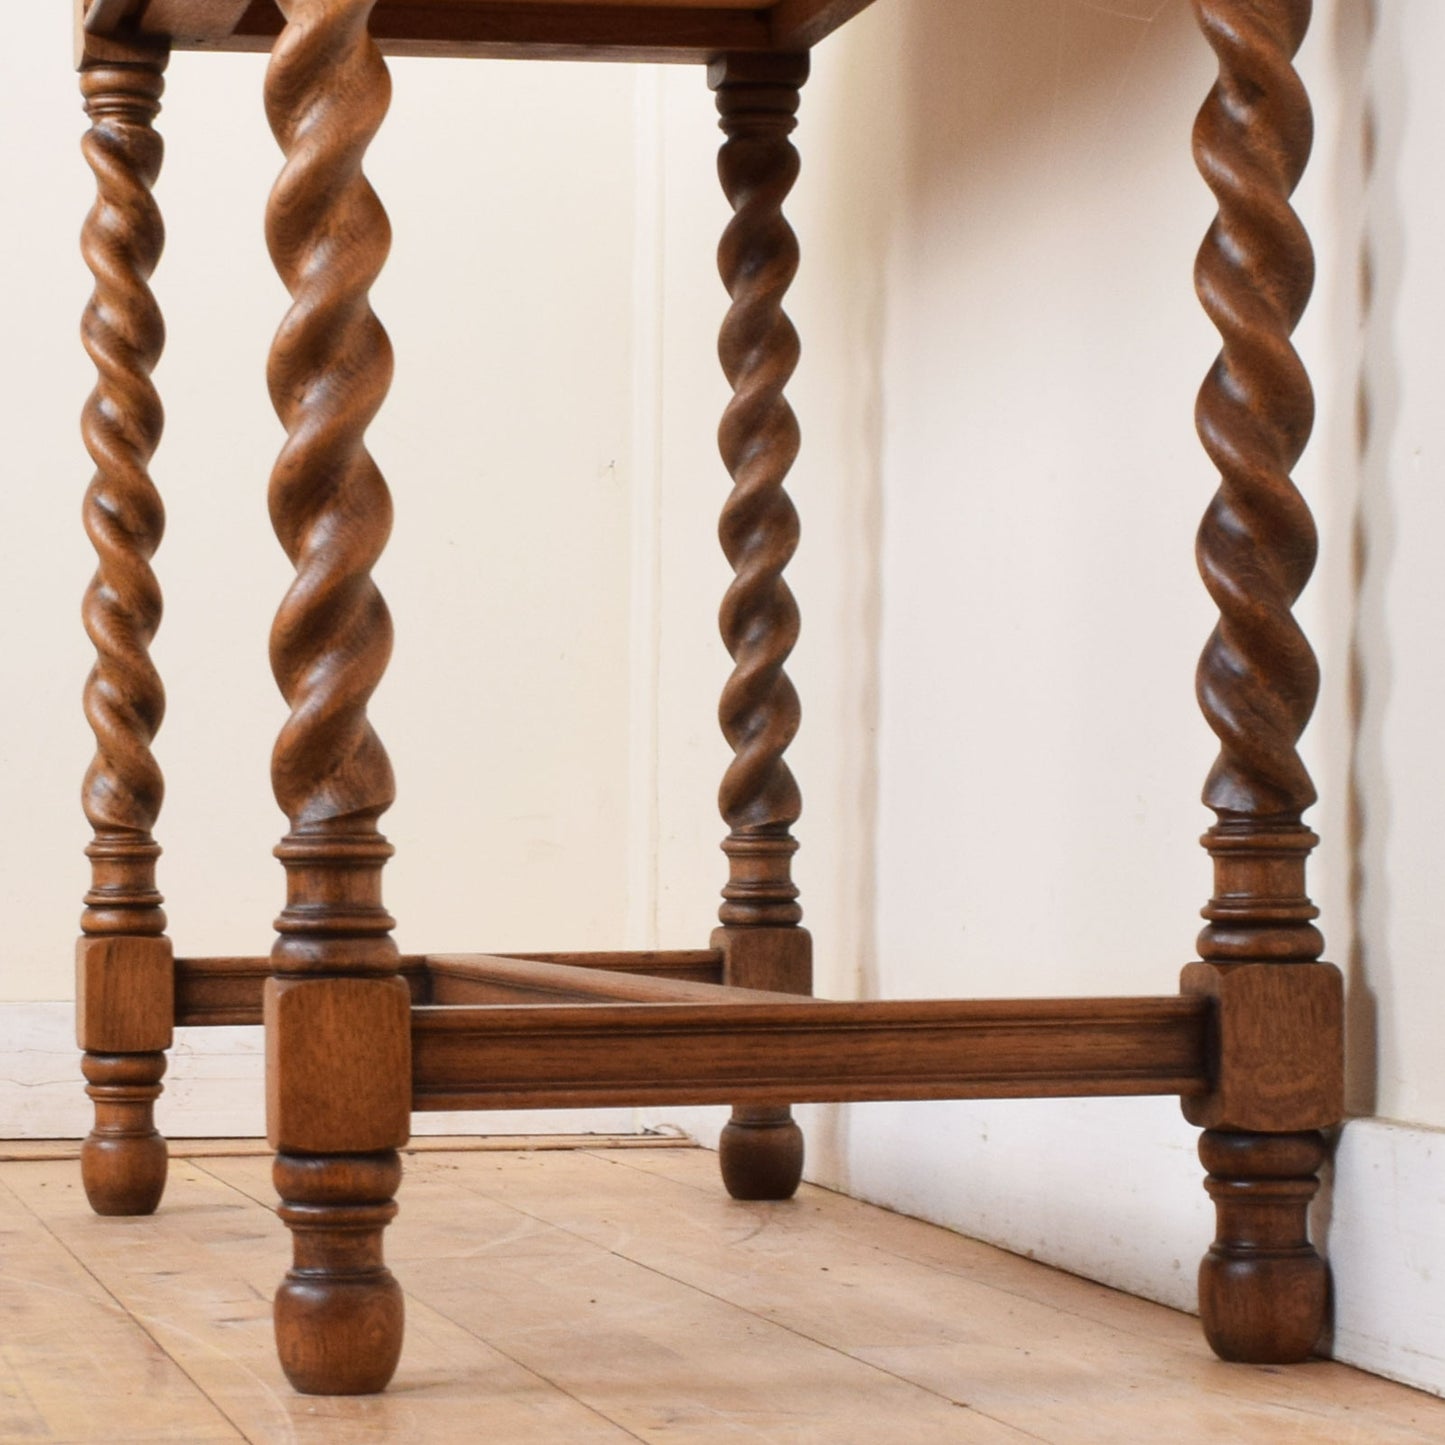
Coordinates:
(649, 30)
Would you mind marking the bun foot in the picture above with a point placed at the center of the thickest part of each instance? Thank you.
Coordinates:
(761, 1154)
(123, 1160)
(124, 1174)
(1266, 1311)
(1263, 1290)
(339, 1313)
(339, 1336)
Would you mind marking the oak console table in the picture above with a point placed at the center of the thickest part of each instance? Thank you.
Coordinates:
(358, 1036)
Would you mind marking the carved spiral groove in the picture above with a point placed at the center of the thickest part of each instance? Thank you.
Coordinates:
(123, 333)
(1257, 678)
(327, 91)
(758, 438)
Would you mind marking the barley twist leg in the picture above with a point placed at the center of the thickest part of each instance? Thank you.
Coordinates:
(761, 1149)
(124, 983)
(1262, 1285)
(337, 1012)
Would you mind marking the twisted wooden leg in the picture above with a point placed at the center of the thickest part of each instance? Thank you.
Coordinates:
(1262, 1286)
(124, 994)
(763, 946)
(337, 1013)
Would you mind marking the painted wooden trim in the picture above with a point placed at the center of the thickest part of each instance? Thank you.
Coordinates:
(1382, 1236)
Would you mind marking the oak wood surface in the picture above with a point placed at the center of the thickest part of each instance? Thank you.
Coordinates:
(213, 992)
(219, 991)
(1276, 1043)
(124, 1002)
(70, 1355)
(587, 1055)
(464, 977)
(124, 993)
(701, 965)
(338, 1040)
(1263, 1286)
(608, 1295)
(658, 30)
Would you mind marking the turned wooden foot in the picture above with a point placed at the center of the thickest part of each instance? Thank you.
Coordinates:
(123, 1160)
(339, 1313)
(1263, 1291)
(761, 1154)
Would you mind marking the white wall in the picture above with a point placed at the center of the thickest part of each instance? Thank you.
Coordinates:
(1001, 754)
(507, 442)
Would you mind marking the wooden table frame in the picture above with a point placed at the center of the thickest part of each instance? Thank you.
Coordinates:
(357, 1036)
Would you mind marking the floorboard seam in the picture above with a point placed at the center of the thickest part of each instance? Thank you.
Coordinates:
(751, 1313)
(442, 1314)
(538, 1374)
(136, 1319)
(955, 1271)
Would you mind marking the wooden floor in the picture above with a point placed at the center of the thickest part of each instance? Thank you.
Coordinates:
(606, 1294)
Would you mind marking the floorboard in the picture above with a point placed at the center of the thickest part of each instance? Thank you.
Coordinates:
(612, 1294)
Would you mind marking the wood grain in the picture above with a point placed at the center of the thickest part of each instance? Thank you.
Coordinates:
(212, 992)
(337, 1063)
(123, 960)
(71, 1357)
(701, 965)
(458, 978)
(1263, 1288)
(669, 30)
(1277, 1046)
(215, 992)
(608, 1295)
(194, 1286)
(589, 1055)
(337, 1035)
(544, 29)
(124, 993)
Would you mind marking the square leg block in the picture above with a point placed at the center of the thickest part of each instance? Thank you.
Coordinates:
(777, 959)
(1277, 1047)
(338, 1064)
(124, 994)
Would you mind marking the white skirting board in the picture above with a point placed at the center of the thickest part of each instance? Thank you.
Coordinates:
(1106, 1188)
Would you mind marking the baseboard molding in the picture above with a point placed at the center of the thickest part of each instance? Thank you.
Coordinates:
(1111, 1189)
(1382, 1221)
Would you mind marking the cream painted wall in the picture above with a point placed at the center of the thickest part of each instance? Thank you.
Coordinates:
(507, 443)
(1000, 487)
